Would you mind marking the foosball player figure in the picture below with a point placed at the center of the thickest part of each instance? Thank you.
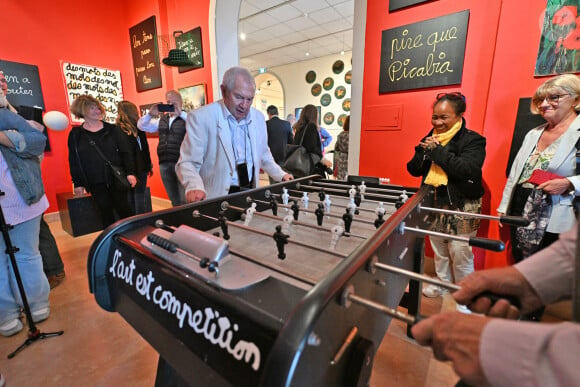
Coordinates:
(319, 212)
(351, 206)
(362, 188)
(347, 219)
(281, 240)
(321, 194)
(295, 209)
(224, 225)
(285, 196)
(336, 231)
(380, 209)
(379, 221)
(249, 214)
(287, 223)
(327, 204)
(357, 200)
(304, 199)
(274, 206)
(352, 191)
(402, 199)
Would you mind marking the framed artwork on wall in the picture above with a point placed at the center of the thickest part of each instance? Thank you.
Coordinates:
(193, 97)
(190, 42)
(145, 53)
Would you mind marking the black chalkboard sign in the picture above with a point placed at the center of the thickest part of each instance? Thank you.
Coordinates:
(525, 121)
(190, 42)
(23, 84)
(145, 52)
(398, 4)
(425, 54)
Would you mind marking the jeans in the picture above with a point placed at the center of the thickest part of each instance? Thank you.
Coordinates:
(138, 197)
(172, 185)
(51, 260)
(24, 236)
(453, 259)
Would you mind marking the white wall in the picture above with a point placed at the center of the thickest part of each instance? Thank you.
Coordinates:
(297, 91)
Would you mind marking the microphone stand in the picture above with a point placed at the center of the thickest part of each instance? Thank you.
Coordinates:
(34, 333)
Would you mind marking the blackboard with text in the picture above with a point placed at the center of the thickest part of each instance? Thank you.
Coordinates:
(145, 52)
(190, 42)
(425, 54)
(23, 84)
(398, 4)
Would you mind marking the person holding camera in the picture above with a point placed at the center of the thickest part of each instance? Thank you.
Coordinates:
(449, 159)
(226, 143)
(171, 129)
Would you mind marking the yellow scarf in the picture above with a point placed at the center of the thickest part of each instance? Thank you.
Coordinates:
(437, 175)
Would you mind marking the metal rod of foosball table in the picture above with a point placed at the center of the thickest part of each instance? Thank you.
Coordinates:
(513, 220)
(196, 213)
(417, 276)
(335, 204)
(385, 190)
(348, 296)
(484, 243)
(297, 222)
(345, 190)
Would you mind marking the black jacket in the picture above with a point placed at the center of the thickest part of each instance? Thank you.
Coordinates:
(279, 135)
(461, 159)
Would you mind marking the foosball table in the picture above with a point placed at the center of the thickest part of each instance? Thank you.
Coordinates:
(291, 284)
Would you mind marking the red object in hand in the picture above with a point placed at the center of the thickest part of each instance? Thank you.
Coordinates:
(538, 177)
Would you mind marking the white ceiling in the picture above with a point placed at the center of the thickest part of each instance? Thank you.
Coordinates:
(280, 32)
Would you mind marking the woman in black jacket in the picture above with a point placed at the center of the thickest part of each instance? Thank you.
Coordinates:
(308, 135)
(136, 141)
(450, 159)
(89, 171)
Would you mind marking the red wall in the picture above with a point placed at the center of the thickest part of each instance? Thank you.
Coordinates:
(502, 43)
(94, 33)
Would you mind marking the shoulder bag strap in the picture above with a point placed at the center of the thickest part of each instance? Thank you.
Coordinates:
(98, 149)
(76, 137)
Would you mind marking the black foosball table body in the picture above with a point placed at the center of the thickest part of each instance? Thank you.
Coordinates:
(263, 320)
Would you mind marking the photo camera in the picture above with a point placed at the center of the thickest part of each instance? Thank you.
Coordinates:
(166, 108)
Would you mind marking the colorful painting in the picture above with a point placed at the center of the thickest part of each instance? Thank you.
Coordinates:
(337, 67)
(193, 97)
(325, 99)
(340, 92)
(559, 49)
(328, 83)
(328, 118)
(316, 89)
(310, 76)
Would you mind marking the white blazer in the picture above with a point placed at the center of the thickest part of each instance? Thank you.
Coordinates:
(207, 160)
(563, 164)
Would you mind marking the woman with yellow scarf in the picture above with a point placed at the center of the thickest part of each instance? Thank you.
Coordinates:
(450, 159)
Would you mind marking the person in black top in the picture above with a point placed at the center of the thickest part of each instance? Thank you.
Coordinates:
(88, 169)
(279, 135)
(136, 141)
(307, 133)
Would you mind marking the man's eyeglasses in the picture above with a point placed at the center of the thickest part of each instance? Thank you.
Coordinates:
(453, 95)
(551, 98)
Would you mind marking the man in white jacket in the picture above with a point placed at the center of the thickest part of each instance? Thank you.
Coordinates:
(499, 352)
(226, 143)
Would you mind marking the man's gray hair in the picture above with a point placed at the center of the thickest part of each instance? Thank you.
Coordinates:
(232, 73)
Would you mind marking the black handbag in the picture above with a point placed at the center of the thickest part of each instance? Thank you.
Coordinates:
(120, 182)
(299, 162)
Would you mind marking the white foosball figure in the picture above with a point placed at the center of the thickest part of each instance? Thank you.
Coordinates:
(304, 199)
(352, 191)
(336, 232)
(380, 210)
(351, 206)
(362, 189)
(287, 223)
(327, 204)
(285, 197)
(403, 197)
(249, 214)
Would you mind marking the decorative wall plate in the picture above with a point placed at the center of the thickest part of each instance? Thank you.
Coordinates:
(325, 99)
(310, 76)
(346, 105)
(316, 89)
(328, 83)
(328, 118)
(348, 76)
(340, 120)
(340, 92)
(337, 67)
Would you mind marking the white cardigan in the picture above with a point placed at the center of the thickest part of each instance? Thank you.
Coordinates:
(563, 164)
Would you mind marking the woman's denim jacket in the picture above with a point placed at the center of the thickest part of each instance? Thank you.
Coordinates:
(24, 159)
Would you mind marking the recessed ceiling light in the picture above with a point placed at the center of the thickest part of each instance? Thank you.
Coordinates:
(307, 53)
(243, 36)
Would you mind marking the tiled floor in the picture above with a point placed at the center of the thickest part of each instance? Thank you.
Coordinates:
(100, 349)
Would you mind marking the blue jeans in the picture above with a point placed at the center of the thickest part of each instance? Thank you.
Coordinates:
(138, 197)
(172, 185)
(24, 236)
